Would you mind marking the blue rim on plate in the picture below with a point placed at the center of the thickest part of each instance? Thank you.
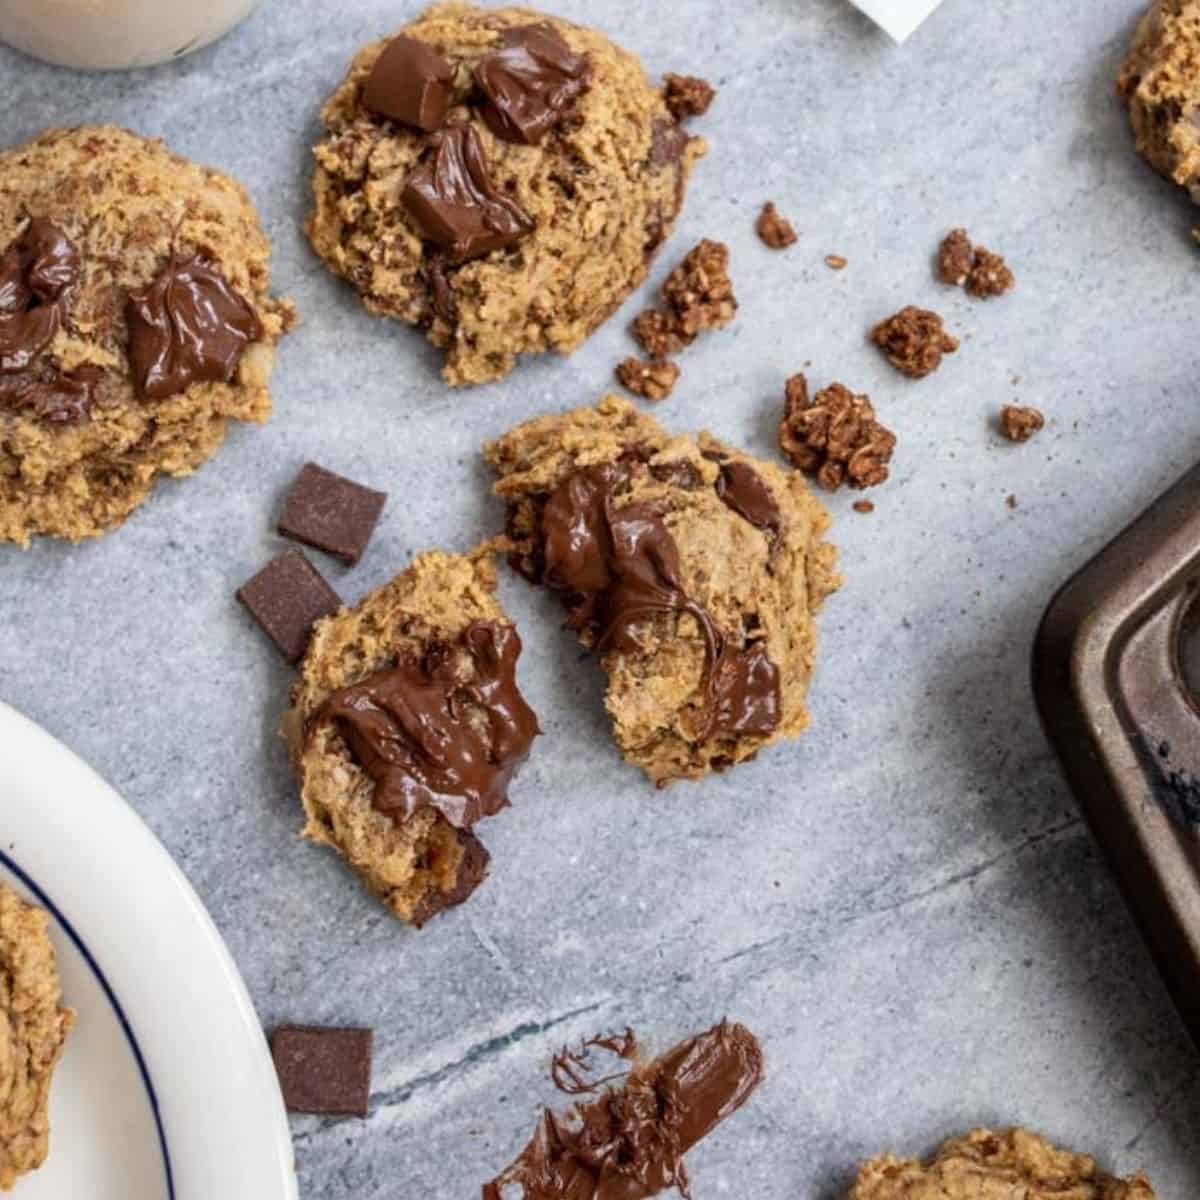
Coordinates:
(69, 929)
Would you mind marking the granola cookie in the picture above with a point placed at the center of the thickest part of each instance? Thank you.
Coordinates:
(33, 1028)
(694, 570)
(1014, 1165)
(135, 323)
(498, 178)
(406, 726)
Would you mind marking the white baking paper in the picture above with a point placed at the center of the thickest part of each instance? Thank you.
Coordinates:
(898, 17)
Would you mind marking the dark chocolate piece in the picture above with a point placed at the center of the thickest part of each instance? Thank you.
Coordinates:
(531, 83)
(323, 1069)
(472, 871)
(454, 203)
(667, 142)
(189, 326)
(38, 274)
(445, 731)
(331, 513)
(741, 487)
(57, 397)
(287, 597)
(618, 564)
(411, 83)
(629, 1143)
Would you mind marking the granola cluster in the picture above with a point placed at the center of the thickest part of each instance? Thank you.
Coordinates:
(687, 96)
(774, 229)
(1019, 423)
(914, 340)
(834, 436)
(653, 380)
(976, 268)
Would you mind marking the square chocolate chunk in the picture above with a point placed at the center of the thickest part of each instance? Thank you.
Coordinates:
(287, 597)
(330, 513)
(323, 1069)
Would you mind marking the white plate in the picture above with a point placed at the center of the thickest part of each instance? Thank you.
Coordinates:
(166, 1089)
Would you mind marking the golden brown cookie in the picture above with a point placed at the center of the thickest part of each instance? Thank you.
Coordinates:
(1014, 1165)
(695, 570)
(406, 726)
(33, 1028)
(499, 178)
(135, 322)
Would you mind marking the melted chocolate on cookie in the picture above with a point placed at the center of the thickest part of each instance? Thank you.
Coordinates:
(38, 274)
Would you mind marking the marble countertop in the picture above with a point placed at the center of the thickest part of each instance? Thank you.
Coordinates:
(904, 904)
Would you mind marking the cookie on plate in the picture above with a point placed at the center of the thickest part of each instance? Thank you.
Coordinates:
(1160, 81)
(982, 1165)
(135, 323)
(695, 570)
(33, 1028)
(499, 178)
(406, 726)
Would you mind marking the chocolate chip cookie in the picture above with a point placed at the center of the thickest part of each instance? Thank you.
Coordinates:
(1015, 1165)
(1160, 81)
(694, 570)
(406, 726)
(33, 1028)
(135, 323)
(499, 178)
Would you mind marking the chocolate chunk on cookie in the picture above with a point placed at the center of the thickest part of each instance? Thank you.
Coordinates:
(504, 188)
(406, 728)
(693, 570)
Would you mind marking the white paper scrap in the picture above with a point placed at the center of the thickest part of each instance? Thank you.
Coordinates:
(898, 17)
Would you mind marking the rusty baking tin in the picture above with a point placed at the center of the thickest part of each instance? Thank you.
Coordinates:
(1110, 674)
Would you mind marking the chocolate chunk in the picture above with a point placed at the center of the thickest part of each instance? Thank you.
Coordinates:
(56, 397)
(447, 730)
(38, 274)
(411, 83)
(323, 1069)
(742, 488)
(189, 326)
(629, 1143)
(287, 597)
(331, 513)
(454, 203)
(472, 871)
(667, 142)
(531, 83)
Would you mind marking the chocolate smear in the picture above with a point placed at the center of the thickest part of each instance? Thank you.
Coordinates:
(573, 1071)
(410, 83)
(56, 397)
(189, 326)
(530, 83)
(447, 730)
(38, 274)
(629, 1142)
(454, 203)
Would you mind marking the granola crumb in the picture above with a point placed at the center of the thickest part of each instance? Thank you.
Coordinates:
(864, 506)
(836, 262)
(976, 268)
(955, 258)
(774, 229)
(699, 291)
(654, 380)
(687, 95)
(656, 333)
(914, 340)
(834, 436)
(1019, 423)
(1010, 500)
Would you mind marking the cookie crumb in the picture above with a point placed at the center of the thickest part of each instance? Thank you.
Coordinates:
(774, 229)
(976, 268)
(956, 256)
(1019, 423)
(864, 506)
(914, 340)
(834, 436)
(835, 262)
(687, 95)
(654, 380)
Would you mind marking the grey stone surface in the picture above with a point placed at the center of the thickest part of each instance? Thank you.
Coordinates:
(904, 905)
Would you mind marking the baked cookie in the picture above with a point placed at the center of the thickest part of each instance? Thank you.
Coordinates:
(1015, 1165)
(1160, 81)
(135, 322)
(406, 726)
(499, 178)
(693, 569)
(33, 1027)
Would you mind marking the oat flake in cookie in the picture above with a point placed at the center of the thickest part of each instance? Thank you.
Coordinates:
(33, 1028)
(135, 323)
(693, 570)
(499, 178)
(406, 727)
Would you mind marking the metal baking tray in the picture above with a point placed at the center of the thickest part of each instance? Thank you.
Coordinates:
(1116, 665)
